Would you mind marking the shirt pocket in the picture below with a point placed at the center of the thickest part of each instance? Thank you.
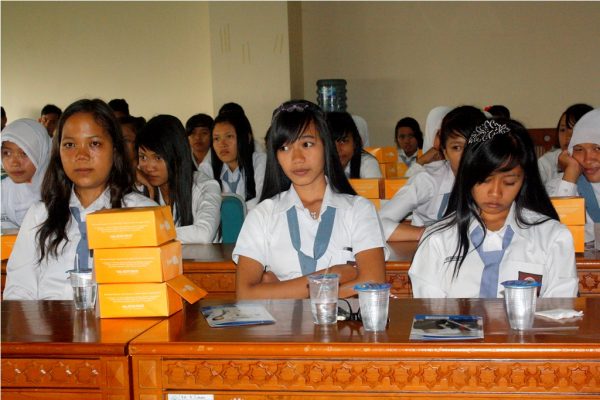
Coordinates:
(519, 270)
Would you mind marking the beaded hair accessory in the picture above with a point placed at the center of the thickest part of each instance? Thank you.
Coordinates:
(296, 106)
(487, 131)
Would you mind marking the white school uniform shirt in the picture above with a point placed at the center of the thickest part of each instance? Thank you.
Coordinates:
(548, 165)
(558, 187)
(265, 235)
(206, 209)
(26, 279)
(369, 167)
(259, 161)
(411, 159)
(422, 195)
(544, 250)
(205, 163)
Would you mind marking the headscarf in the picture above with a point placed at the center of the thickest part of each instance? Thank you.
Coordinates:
(33, 139)
(433, 124)
(586, 130)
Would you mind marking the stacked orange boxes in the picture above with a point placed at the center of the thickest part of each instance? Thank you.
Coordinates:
(391, 186)
(371, 189)
(387, 157)
(138, 263)
(571, 212)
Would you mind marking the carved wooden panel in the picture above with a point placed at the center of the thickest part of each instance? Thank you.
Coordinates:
(589, 283)
(401, 286)
(383, 376)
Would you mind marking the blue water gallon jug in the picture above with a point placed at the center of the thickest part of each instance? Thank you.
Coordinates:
(331, 94)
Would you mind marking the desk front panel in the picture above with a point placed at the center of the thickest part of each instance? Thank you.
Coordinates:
(52, 351)
(293, 358)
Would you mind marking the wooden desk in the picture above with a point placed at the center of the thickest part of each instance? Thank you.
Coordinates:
(52, 351)
(295, 359)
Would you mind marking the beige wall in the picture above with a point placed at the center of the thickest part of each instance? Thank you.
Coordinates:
(404, 58)
(155, 55)
(250, 58)
(399, 58)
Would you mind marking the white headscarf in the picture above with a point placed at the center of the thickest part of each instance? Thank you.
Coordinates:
(586, 130)
(33, 139)
(432, 124)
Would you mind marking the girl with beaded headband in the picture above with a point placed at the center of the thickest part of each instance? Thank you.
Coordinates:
(582, 169)
(500, 224)
(309, 218)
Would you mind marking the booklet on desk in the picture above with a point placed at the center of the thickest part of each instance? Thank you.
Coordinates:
(236, 315)
(446, 327)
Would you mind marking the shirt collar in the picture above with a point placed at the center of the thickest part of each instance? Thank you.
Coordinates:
(103, 201)
(290, 198)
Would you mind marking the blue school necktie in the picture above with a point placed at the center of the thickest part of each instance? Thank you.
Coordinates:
(443, 206)
(233, 184)
(83, 250)
(591, 203)
(309, 264)
(407, 160)
(491, 260)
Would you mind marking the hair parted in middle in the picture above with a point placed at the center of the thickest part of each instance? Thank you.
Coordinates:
(289, 121)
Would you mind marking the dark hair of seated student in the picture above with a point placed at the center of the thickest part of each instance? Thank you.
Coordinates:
(289, 121)
(119, 107)
(502, 152)
(498, 111)
(245, 150)
(56, 187)
(165, 136)
(343, 130)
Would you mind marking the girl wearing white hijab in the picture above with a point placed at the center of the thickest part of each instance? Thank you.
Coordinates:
(431, 146)
(25, 156)
(582, 171)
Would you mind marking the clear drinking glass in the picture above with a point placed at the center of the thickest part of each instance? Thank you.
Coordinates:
(323, 298)
(520, 300)
(374, 300)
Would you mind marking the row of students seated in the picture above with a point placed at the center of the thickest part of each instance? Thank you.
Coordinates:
(299, 183)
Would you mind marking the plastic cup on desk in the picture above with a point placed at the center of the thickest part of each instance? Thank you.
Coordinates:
(520, 299)
(323, 290)
(374, 300)
(84, 289)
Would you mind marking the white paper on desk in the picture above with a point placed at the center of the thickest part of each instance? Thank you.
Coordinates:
(559, 313)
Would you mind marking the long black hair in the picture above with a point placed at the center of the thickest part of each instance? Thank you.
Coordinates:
(289, 121)
(56, 186)
(166, 136)
(245, 150)
(502, 152)
(341, 125)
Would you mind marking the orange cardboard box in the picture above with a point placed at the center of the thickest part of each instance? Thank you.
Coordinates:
(369, 188)
(130, 227)
(571, 210)
(7, 241)
(401, 169)
(125, 300)
(578, 232)
(386, 154)
(389, 170)
(391, 186)
(138, 264)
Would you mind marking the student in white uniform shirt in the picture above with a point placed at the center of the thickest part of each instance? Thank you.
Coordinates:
(502, 225)
(166, 160)
(198, 132)
(88, 171)
(310, 219)
(426, 194)
(582, 171)
(357, 163)
(235, 165)
(409, 140)
(431, 140)
(548, 163)
(25, 156)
